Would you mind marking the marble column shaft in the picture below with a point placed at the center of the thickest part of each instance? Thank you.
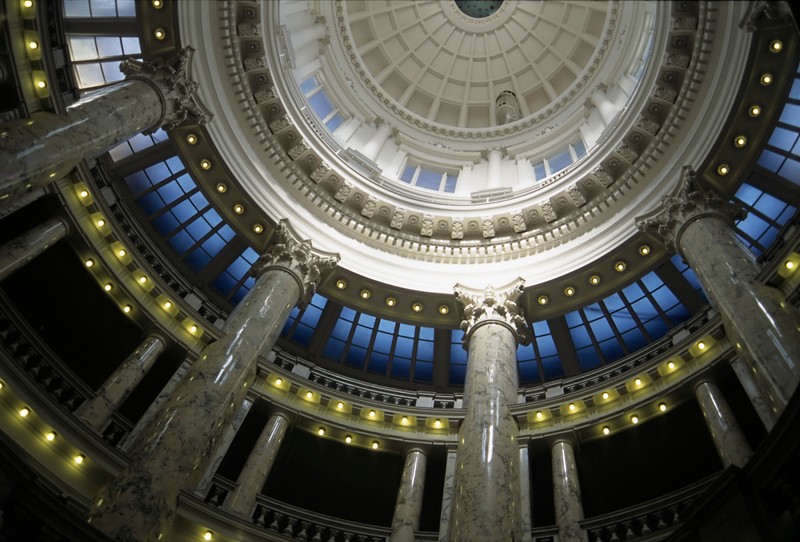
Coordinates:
(447, 495)
(97, 411)
(728, 438)
(222, 448)
(9, 205)
(756, 317)
(46, 146)
(525, 492)
(486, 493)
(256, 469)
(408, 507)
(753, 392)
(174, 450)
(567, 493)
(22, 249)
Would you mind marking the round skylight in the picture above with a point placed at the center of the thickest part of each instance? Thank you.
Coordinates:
(478, 9)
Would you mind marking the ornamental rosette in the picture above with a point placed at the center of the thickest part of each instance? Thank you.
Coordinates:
(689, 204)
(493, 305)
(298, 258)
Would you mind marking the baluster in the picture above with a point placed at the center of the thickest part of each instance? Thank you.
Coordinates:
(317, 534)
(628, 526)
(275, 521)
(614, 535)
(643, 521)
(303, 534)
(290, 525)
(660, 517)
(347, 537)
(333, 534)
(261, 515)
(596, 535)
(676, 517)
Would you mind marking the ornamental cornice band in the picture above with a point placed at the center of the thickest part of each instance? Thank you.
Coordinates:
(690, 204)
(492, 305)
(298, 258)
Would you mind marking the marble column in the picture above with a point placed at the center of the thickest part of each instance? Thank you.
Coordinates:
(373, 147)
(256, 469)
(728, 438)
(567, 493)
(9, 205)
(750, 387)
(22, 249)
(97, 411)
(174, 450)
(485, 503)
(447, 495)
(408, 507)
(755, 316)
(46, 146)
(222, 448)
(493, 177)
(525, 492)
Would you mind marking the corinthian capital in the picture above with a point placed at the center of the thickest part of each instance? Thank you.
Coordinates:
(297, 258)
(492, 305)
(170, 79)
(689, 204)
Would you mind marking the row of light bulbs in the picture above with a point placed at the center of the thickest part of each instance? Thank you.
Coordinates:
(391, 301)
(755, 110)
(49, 436)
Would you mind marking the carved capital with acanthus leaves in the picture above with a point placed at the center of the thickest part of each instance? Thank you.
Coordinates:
(492, 305)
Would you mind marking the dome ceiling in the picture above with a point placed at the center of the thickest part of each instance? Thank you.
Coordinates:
(444, 66)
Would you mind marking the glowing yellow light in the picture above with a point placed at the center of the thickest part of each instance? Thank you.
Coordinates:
(108, 287)
(208, 535)
(766, 79)
(594, 280)
(191, 139)
(238, 208)
(41, 83)
(543, 300)
(309, 395)
(167, 304)
(539, 415)
(605, 395)
(28, 3)
(437, 423)
(33, 44)
(79, 458)
(371, 413)
(365, 294)
(121, 252)
(321, 431)
(404, 420)
(755, 110)
(24, 411)
(51, 436)
(348, 439)
(723, 169)
(340, 405)
(391, 302)
(375, 445)
(89, 263)
(740, 141)
(83, 193)
(671, 365)
(789, 264)
(634, 419)
(341, 284)
(638, 381)
(662, 407)
(278, 381)
(620, 266)
(776, 46)
(571, 407)
(701, 345)
(258, 228)
(416, 306)
(160, 33)
(193, 329)
(222, 188)
(606, 429)
(142, 279)
(205, 164)
(444, 309)
(158, 4)
(100, 223)
(127, 308)
(569, 291)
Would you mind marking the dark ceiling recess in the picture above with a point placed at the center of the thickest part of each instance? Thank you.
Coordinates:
(478, 9)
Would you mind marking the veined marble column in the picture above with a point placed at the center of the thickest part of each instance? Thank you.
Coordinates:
(20, 250)
(405, 521)
(728, 438)
(755, 315)
(750, 387)
(485, 505)
(222, 448)
(256, 469)
(9, 205)
(97, 411)
(173, 451)
(525, 491)
(447, 495)
(45, 147)
(567, 493)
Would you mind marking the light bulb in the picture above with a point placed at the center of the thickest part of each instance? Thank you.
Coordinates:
(278, 381)
(662, 407)
(51, 436)
(24, 411)
(340, 405)
(321, 431)
(437, 423)
(375, 445)
(635, 419)
(348, 439)
(606, 430)
(79, 458)
(605, 395)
